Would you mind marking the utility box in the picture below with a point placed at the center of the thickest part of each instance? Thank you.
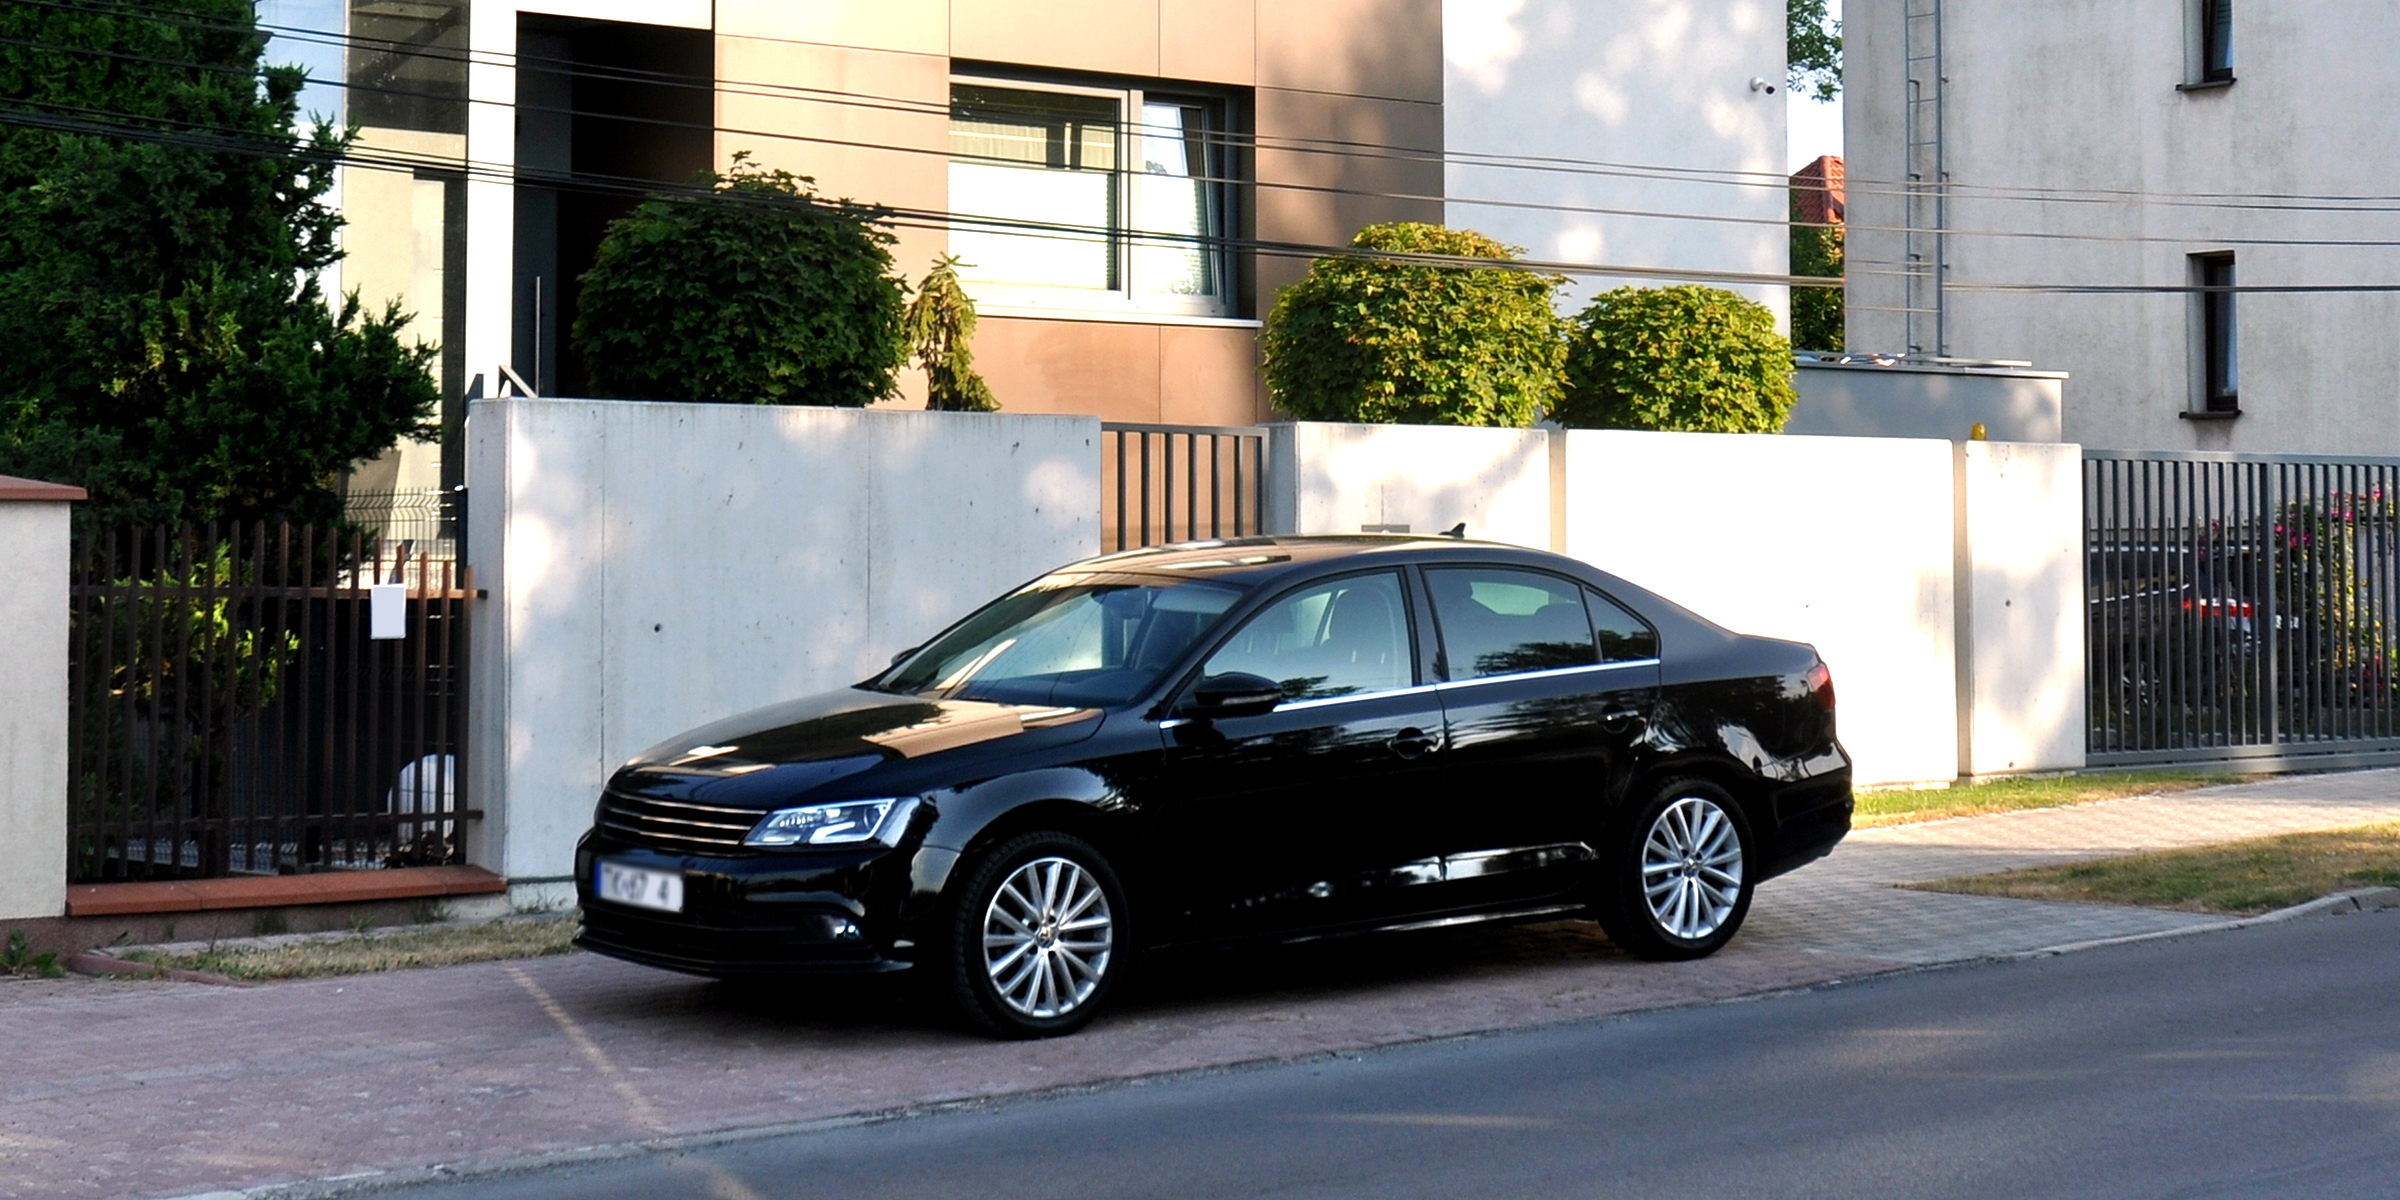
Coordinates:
(1890, 395)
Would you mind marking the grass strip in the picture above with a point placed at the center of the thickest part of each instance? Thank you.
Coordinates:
(2010, 795)
(381, 950)
(2231, 878)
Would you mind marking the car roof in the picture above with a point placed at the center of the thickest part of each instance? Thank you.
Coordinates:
(1258, 559)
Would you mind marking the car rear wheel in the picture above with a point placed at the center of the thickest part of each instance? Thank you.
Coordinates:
(1680, 881)
(1036, 936)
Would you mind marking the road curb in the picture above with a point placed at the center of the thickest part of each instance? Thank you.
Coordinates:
(2359, 900)
(92, 962)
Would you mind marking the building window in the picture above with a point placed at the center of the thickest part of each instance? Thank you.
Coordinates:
(2220, 334)
(2216, 41)
(1091, 198)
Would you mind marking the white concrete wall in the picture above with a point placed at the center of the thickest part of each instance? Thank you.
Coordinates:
(1844, 543)
(2055, 104)
(1650, 83)
(2020, 607)
(1331, 478)
(33, 708)
(655, 566)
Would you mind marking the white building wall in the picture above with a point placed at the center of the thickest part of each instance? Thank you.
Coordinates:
(2055, 104)
(652, 567)
(1661, 85)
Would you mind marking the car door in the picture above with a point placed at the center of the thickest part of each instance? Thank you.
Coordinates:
(1280, 820)
(1545, 687)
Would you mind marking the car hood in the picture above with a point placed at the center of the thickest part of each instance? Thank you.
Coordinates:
(771, 754)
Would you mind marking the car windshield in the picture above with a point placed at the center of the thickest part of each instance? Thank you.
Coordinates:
(1067, 640)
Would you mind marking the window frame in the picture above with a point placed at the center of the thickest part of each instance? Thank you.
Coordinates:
(1222, 177)
(2217, 363)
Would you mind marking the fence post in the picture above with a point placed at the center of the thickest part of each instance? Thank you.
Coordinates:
(33, 700)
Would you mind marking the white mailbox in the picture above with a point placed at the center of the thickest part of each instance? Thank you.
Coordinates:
(387, 611)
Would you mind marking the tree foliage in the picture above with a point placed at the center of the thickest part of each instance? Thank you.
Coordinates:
(1818, 322)
(940, 323)
(161, 226)
(1680, 358)
(757, 291)
(1812, 50)
(1375, 340)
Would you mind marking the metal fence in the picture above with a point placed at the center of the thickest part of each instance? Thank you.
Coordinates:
(2240, 606)
(421, 522)
(1180, 483)
(234, 711)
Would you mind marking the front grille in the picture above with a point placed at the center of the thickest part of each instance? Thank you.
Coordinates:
(675, 826)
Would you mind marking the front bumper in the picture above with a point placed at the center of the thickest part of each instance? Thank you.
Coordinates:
(810, 912)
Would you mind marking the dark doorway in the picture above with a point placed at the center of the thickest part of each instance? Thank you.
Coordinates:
(603, 108)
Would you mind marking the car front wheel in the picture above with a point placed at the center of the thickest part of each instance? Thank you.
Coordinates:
(1036, 936)
(1680, 880)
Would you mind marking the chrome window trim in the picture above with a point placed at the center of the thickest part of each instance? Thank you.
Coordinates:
(1553, 671)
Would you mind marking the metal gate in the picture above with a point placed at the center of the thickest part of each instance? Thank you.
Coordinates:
(239, 706)
(1180, 483)
(2240, 607)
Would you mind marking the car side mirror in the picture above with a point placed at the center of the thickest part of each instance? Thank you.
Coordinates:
(1235, 694)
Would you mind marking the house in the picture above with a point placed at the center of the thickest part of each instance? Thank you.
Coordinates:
(1132, 181)
(2083, 185)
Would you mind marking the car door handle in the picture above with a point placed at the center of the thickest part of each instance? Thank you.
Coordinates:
(1413, 742)
(1619, 718)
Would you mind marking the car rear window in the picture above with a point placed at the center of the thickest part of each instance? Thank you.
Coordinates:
(1499, 621)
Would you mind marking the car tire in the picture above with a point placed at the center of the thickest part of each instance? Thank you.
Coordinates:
(1035, 937)
(1677, 879)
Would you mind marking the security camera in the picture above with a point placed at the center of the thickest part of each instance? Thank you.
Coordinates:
(1758, 84)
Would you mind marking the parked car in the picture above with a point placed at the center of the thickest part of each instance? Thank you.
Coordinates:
(1271, 738)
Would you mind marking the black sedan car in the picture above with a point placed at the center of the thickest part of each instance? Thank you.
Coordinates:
(1273, 738)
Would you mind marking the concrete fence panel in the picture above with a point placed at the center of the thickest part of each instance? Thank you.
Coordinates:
(655, 566)
(2021, 608)
(33, 697)
(1844, 543)
(1329, 478)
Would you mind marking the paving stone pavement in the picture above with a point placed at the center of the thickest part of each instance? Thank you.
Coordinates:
(118, 1088)
(1848, 903)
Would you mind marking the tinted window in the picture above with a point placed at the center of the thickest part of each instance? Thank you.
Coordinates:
(1065, 641)
(1339, 638)
(1623, 636)
(1496, 621)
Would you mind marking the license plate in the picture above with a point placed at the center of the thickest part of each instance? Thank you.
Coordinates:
(662, 890)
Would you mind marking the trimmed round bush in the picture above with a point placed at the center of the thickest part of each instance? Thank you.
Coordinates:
(1377, 341)
(756, 292)
(1689, 358)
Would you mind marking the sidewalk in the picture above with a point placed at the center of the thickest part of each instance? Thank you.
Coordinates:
(158, 1089)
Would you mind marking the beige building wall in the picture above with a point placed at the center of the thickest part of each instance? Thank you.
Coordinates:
(855, 93)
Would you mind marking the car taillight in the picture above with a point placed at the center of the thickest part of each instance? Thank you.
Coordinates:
(1820, 682)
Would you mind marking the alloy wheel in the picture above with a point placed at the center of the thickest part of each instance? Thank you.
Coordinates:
(1691, 868)
(1047, 937)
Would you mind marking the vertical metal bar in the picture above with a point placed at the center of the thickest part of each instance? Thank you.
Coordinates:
(120, 706)
(1119, 435)
(79, 736)
(316, 710)
(1145, 436)
(1191, 487)
(1166, 490)
(216, 837)
(1239, 529)
(351, 642)
(1216, 486)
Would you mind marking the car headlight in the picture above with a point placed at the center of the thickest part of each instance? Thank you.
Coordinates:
(842, 822)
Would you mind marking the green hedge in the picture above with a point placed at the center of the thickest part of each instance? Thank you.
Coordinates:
(756, 292)
(1374, 340)
(1683, 358)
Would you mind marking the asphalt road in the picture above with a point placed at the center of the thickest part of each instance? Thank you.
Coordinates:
(2264, 1062)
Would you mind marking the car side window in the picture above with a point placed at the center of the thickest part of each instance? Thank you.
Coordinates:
(1343, 637)
(1624, 637)
(1497, 621)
